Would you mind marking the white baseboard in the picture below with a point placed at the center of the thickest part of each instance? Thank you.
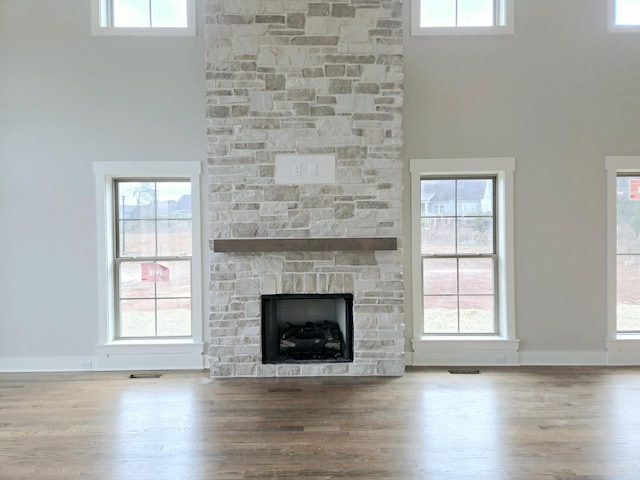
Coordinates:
(564, 358)
(47, 364)
(464, 352)
(115, 357)
(153, 356)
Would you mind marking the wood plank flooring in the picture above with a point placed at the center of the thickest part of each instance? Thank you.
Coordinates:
(509, 423)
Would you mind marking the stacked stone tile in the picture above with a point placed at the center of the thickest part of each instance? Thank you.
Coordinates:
(300, 76)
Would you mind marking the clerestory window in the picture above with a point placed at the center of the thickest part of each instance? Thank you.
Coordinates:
(143, 17)
(462, 17)
(624, 14)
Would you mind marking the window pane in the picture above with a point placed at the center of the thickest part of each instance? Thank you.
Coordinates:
(137, 238)
(475, 235)
(133, 282)
(131, 13)
(475, 13)
(137, 318)
(477, 314)
(136, 200)
(174, 237)
(169, 13)
(440, 314)
(475, 197)
(628, 293)
(440, 276)
(627, 12)
(476, 276)
(438, 236)
(628, 214)
(438, 197)
(438, 13)
(174, 318)
(175, 280)
(174, 199)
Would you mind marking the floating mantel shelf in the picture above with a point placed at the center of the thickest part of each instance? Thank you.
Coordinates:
(257, 245)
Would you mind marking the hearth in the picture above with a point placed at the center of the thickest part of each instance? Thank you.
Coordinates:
(302, 328)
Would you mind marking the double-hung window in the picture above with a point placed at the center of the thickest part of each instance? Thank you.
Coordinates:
(149, 265)
(152, 259)
(143, 17)
(462, 261)
(459, 258)
(623, 259)
(462, 17)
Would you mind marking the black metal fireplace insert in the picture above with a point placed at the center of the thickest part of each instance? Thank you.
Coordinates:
(301, 328)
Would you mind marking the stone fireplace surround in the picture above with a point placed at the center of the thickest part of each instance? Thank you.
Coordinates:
(303, 77)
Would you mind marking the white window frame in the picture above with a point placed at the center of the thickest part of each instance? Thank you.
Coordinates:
(148, 353)
(611, 15)
(101, 27)
(498, 349)
(505, 22)
(622, 348)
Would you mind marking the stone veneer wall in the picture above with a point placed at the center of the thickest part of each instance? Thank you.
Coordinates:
(300, 76)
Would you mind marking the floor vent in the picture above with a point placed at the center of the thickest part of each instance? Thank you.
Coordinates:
(145, 375)
(464, 371)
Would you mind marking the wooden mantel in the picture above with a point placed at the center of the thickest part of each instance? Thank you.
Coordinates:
(258, 245)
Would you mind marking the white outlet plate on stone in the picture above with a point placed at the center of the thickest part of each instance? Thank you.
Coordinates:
(293, 169)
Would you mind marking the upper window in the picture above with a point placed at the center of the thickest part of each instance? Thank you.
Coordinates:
(624, 15)
(143, 17)
(461, 17)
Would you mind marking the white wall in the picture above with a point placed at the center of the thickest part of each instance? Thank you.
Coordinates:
(558, 95)
(68, 99)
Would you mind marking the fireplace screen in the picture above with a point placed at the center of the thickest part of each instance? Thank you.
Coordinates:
(307, 328)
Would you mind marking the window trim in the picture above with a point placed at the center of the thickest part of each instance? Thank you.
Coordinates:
(622, 348)
(99, 26)
(502, 347)
(114, 353)
(506, 18)
(611, 19)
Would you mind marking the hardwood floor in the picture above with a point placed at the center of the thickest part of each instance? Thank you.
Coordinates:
(509, 423)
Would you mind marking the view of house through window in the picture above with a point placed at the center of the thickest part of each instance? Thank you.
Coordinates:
(153, 258)
(627, 12)
(628, 253)
(458, 252)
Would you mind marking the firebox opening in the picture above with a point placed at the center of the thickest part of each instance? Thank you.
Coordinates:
(301, 328)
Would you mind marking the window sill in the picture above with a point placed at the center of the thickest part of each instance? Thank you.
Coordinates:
(150, 355)
(462, 31)
(143, 32)
(462, 338)
(627, 336)
(623, 349)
